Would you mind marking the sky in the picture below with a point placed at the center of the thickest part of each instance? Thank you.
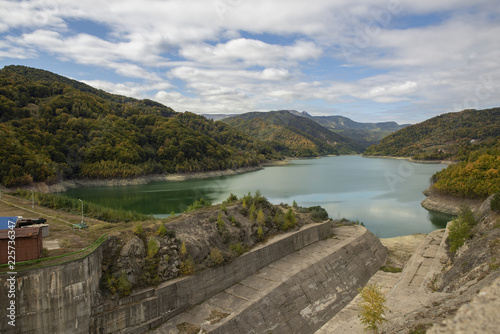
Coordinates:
(371, 61)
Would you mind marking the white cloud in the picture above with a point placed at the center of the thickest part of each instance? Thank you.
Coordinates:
(236, 55)
(250, 52)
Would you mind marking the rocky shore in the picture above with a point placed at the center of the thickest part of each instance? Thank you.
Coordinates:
(82, 183)
(449, 205)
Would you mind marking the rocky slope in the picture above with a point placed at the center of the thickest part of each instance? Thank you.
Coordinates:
(196, 240)
(474, 267)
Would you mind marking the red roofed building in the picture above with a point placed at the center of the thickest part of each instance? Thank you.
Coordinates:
(28, 246)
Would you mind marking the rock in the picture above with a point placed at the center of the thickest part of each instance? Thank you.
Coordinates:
(132, 257)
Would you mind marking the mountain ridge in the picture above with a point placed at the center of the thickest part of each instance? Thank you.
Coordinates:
(54, 128)
(293, 135)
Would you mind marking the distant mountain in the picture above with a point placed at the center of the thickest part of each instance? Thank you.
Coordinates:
(365, 134)
(449, 135)
(293, 135)
(54, 128)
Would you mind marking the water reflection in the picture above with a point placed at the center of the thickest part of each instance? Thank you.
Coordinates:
(350, 186)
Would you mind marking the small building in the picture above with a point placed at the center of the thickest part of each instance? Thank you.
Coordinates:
(28, 244)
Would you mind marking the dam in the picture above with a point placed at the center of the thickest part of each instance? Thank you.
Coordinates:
(293, 283)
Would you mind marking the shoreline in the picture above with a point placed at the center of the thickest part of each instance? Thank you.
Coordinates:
(410, 159)
(447, 204)
(65, 185)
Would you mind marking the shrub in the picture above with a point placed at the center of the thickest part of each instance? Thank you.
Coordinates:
(495, 203)
(318, 213)
(252, 212)
(278, 219)
(138, 231)
(372, 307)
(232, 198)
(461, 228)
(223, 207)
(121, 285)
(187, 267)
(202, 202)
(152, 247)
(261, 217)
(290, 221)
(215, 258)
(162, 230)
(238, 248)
(459, 231)
(260, 233)
(183, 250)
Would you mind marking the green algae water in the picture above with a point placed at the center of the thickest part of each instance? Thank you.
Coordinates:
(384, 194)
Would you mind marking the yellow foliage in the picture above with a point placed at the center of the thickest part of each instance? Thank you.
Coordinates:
(372, 307)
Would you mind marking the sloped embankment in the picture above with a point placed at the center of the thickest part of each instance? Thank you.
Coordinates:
(296, 294)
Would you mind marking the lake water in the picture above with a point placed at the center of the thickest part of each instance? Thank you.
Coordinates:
(384, 194)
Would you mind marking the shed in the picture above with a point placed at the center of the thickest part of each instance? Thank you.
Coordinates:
(28, 246)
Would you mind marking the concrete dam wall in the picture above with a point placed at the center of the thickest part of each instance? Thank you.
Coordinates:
(308, 290)
(55, 299)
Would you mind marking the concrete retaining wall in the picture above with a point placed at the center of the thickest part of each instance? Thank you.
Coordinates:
(296, 294)
(313, 295)
(147, 309)
(56, 299)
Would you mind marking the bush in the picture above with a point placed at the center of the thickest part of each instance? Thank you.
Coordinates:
(459, 231)
(372, 307)
(215, 258)
(202, 202)
(187, 267)
(152, 247)
(461, 228)
(495, 203)
(138, 231)
(290, 221)
(238, 248)
(121, 285)
(232, 198)
(318, 213)
(162, 230)
(260, 233)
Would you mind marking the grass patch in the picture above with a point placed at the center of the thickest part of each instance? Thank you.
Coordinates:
(391, 269)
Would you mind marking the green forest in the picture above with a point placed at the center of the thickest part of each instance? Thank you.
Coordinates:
(446, 136)
(53, 128)
(470, 137)
(477, 176)
(293, 135)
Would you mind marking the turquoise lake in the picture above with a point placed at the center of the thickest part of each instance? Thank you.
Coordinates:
(384, 194)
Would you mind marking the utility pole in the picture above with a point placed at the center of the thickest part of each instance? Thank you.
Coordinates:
(82, 209)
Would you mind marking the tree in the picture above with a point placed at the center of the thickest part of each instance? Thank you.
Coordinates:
(261, 217)
(372, 307)
(290, 220)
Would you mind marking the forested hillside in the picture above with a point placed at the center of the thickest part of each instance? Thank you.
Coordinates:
(448, 136)
(470, 136)
(365, 134)
(55, 128)
(293, 135)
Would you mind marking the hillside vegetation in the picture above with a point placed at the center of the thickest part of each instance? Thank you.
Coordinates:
(293, 135)
(477, 176)
(55, 128)
(470, 136)
(447, 136)
(365, 134)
